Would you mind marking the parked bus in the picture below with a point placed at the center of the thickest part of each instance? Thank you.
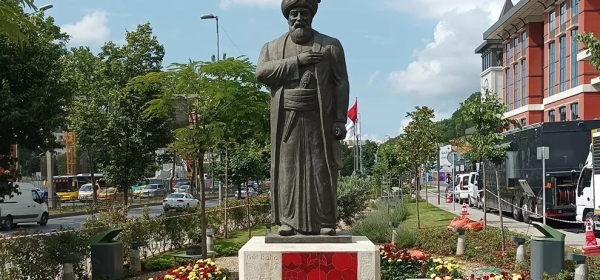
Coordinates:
(67, 186)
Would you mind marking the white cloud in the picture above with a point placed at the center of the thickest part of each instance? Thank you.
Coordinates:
(91, 29)
(371, 137)
(447, 66)
(261, 3)
(372, 78)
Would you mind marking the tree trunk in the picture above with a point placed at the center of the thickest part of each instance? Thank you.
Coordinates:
(249, 224)
(226, 229)
(484, 194)
(194, 182)
(417, 202)
(94, 189)
(203, 209)
(172, 173)
(500, 209)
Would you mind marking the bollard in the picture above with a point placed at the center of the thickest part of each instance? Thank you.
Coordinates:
(393, 225)
(460, 246)
(134, 257)
(520, 248)
(210, 246)
(581, 271)
(68, 272)
(268, 228)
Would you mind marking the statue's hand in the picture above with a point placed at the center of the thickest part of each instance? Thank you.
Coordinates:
(339, 130)
(309, 58)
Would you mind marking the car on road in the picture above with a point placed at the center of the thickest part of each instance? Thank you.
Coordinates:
(251, 192)
(153, 190)
(183, 189)
(110, 194)
(137, 192)
(26, 207)
(179, 201)
(86, 193)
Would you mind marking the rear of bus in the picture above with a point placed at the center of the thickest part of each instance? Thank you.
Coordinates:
(66, 187)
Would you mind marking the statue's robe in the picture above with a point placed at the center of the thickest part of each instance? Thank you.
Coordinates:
(305, 156)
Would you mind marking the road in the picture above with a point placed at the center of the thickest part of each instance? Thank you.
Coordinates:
(76, 221)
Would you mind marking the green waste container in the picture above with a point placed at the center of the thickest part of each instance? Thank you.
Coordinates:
(107, 255)
(547, 251)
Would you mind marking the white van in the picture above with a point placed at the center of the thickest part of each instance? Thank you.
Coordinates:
(466, 188)
(26, 207)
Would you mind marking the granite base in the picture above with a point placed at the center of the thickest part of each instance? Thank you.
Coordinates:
(358, 260)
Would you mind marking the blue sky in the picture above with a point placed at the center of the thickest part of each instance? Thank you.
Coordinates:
(400, 53)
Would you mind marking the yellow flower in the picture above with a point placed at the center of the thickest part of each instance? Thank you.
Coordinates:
(451, 259)
(498, 277)
(209, 275)
(438, 278)
(439, 267)
(447, 278)
(389, 260)
(431, 276)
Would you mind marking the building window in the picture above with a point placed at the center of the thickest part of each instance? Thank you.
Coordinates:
(523, 122)
(563, 13)
(551, 69)
(507, 91)
(563, 64)
(516, 45)
(562, 111)
(523, 82)
(574, 8)
(516, 87)
(551, 21)
(574, 64)
(523, 42)
(574, 111)
(551, 117)
(507, 54)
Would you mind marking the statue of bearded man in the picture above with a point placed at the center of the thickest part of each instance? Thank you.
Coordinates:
(306, 73)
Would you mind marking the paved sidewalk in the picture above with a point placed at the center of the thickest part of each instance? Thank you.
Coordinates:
(571, 239)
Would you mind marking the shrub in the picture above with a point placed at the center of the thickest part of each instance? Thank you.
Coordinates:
(375, 225)
(201, 270)
(353, 193)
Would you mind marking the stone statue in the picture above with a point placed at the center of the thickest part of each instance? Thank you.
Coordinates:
(307, 76)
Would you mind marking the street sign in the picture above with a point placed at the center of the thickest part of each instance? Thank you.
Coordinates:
(543, 153)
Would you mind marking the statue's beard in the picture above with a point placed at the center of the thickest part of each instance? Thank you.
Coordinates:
(300, 35)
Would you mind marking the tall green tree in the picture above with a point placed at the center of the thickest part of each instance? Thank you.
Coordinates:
(368, 156)
(88, 115)
(348, 160)
(14, 23)
(487, 114)
(131, 137)
(216, 95)
(419, 143)
(33, 93)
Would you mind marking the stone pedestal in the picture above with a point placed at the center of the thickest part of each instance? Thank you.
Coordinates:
(358, 260)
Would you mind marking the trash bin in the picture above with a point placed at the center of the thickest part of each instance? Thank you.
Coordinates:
(547, 251)
(107, 255)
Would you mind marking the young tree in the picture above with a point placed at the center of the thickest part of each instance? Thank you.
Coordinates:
(131, 137)
(33, 93)
(220, 97)
(88, 116)
(487, 114)
(368, 155)
(418, 144)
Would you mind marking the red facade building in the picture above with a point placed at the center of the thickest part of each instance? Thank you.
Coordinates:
(531, 59)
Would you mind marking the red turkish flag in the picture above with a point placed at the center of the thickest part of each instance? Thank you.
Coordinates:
(353, 112)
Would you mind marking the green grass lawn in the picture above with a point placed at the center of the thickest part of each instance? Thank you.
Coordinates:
(241, 236)
(431, 216)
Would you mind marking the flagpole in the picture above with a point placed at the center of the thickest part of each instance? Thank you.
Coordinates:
(358, 137)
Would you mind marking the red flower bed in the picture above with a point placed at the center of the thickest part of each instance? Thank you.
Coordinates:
(200, 270)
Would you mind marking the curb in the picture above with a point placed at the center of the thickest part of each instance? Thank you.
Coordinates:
(81, 213)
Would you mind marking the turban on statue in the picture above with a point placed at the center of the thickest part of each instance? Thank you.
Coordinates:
(287, 5)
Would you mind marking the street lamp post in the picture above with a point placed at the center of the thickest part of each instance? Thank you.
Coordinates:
(46, 7)
(216, 18)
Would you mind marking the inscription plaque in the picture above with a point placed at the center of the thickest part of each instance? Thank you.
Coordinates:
(263, 265)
